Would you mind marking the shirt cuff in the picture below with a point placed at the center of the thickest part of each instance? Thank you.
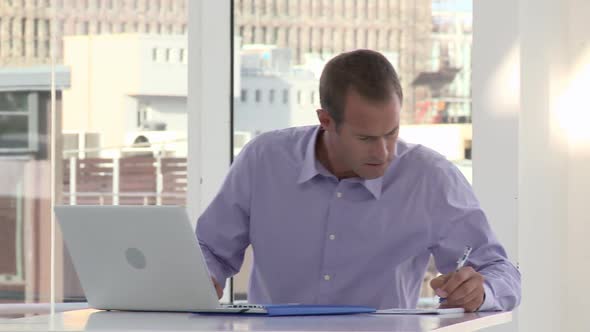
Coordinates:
(215, 270)
(488, 299)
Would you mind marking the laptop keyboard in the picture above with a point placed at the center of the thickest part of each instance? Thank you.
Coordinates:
(243, 306)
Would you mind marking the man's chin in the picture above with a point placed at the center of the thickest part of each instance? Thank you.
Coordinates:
(372, 171)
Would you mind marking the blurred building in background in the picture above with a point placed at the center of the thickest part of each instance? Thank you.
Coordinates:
(448, 80)
(128, 90)
(26, 25)
(27, 28)
(25, 131)
(322, 29)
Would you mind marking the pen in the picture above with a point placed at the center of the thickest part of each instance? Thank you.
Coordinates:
(460, 263)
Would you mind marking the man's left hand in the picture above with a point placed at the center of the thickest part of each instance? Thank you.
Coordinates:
(461, 289)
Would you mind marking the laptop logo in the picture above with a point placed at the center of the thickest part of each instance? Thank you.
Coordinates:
(135, 258)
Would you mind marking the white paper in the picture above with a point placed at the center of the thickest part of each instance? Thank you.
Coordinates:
(430, 311)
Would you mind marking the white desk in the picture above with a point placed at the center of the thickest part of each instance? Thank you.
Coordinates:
(93, 320)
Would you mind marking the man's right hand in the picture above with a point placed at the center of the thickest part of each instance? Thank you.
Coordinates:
(218, 288)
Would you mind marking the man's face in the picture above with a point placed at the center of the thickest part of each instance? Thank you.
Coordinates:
(364, 143)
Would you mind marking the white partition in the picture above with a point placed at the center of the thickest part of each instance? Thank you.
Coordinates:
(531, 149)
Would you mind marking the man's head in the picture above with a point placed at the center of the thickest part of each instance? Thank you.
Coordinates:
(361, 97)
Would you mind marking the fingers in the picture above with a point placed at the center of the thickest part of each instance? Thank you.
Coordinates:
(218, 288)
(465, 291)
(457, 279)
(463, 288)
(439, 281)
(473, 299)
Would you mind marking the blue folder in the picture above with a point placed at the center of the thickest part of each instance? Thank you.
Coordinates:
(300, 310)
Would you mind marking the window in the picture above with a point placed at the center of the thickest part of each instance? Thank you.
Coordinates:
(258, 95)
(435, 116)
(23, 24)
(18, 122)
(36, 38)
(143, 110)
(99, 162)
(181, 56)
(244, 96)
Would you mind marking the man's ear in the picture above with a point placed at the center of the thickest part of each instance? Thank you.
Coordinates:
(324, 118)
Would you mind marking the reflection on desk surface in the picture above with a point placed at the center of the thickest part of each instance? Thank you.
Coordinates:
(101, 321)
(94, 320)
(114, 320)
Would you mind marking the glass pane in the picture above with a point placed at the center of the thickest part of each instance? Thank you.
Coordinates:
(24, 155)
(13, 101)
(124, 114)
(14, 132)
(283, 46)
(123, 123)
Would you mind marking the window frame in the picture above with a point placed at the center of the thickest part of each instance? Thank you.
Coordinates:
(32, 114)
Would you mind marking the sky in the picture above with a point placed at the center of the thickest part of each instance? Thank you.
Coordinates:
(453, 5)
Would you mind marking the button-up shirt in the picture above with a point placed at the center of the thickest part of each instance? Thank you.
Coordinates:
(320, 240)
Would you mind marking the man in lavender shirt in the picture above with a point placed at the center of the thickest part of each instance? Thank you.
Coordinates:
(347, 213)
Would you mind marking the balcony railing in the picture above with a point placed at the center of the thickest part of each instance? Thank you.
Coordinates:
(140, 180)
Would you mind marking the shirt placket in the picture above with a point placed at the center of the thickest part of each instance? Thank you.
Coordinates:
(328, 272)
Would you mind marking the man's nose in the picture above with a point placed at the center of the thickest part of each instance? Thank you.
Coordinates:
(379, 150)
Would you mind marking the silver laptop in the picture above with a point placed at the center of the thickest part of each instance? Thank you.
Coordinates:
(143, 258)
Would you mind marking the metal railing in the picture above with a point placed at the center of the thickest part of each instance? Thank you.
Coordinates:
(148, 173)
(102, 195)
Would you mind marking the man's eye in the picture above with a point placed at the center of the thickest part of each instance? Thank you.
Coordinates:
(363, 138)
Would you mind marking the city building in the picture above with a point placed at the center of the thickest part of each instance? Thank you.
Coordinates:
(26, 25)
(325, 28)
(449, 78)
(126, 89)
(25, 131)
(273, 95)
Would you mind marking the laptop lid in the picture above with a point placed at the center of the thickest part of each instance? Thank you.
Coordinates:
(137, 257)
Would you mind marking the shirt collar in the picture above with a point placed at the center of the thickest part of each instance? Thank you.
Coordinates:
(311, 167)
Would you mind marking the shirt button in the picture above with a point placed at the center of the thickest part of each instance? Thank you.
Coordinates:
(332, 237)
(327, 277)
(338, 194)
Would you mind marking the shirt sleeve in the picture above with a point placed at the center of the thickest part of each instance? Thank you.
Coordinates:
(458, 220)
(223, 228)
(488, 301)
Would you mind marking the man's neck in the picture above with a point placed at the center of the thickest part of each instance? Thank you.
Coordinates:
(328, 160)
